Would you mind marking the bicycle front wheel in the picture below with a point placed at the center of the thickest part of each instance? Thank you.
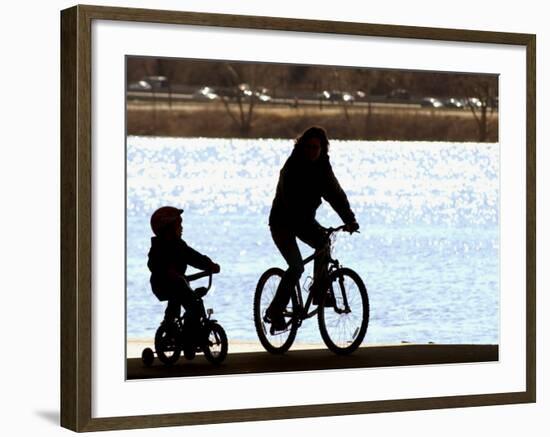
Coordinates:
(343, 321)
(280, 341)
(215, 348)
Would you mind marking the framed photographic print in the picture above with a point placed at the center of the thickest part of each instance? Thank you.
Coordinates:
(340, 216)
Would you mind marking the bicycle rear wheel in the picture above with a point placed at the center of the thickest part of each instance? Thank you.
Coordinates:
(279, 342)
(344, 326)
(167, 344)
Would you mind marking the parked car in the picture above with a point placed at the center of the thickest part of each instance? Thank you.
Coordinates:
(206, 93)
(347, 97)
(324, 95)
(158, 82)
(453, 103)
(474, 101)
(140, 85)
(336, 96)
(262, 94)
(399, 94)
(245, 90)
(431, 102)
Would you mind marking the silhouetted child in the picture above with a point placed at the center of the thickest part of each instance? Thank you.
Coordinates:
(168, 259)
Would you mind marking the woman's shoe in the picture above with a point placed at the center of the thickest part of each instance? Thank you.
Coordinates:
(318, 296)
(276, 319)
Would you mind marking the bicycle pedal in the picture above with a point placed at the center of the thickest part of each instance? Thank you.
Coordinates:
(273, 331)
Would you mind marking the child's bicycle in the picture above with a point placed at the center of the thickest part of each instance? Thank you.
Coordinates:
(173, 337)
(342, 313)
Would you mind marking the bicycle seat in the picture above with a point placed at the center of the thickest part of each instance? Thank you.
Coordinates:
(201, 292)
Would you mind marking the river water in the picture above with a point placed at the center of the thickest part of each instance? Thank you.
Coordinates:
(428, 250)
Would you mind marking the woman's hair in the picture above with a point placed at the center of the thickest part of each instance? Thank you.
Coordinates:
(313, 132)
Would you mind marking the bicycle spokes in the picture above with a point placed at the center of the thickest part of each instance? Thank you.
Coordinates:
(214, 342)
(343, 325)
(279, 341)
(270, 290)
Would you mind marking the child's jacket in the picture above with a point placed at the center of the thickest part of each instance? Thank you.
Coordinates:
(168, 260)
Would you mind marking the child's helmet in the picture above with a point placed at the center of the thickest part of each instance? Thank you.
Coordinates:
(163, 217)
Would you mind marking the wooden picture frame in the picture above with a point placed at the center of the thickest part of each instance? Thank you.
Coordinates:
(76, 218)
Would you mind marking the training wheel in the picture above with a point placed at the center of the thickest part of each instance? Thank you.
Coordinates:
(147, 356)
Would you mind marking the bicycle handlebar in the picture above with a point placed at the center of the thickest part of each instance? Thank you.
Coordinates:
(330, 231)
(200, 275)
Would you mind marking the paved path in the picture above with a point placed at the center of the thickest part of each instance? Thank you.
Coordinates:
(318, 359)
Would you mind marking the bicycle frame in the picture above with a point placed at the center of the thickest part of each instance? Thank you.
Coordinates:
(333, 264)
(200, 292)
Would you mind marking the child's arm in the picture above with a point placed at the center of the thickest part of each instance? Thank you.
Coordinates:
(200, 261)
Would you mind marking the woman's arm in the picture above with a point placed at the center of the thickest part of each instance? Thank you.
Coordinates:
(334, 194)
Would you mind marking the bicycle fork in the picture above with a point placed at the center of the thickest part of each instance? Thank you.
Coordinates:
(346, 308)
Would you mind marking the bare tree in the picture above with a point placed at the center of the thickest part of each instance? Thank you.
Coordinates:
(480, 93)
(241, 102)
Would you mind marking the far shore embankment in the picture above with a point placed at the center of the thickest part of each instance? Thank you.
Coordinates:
(377, 122)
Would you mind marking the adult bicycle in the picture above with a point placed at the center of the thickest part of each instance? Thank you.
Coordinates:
(342, 312)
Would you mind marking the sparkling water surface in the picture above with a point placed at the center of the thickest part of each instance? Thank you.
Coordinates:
(428, 250)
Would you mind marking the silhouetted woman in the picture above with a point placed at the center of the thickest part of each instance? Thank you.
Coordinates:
(304, 180)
